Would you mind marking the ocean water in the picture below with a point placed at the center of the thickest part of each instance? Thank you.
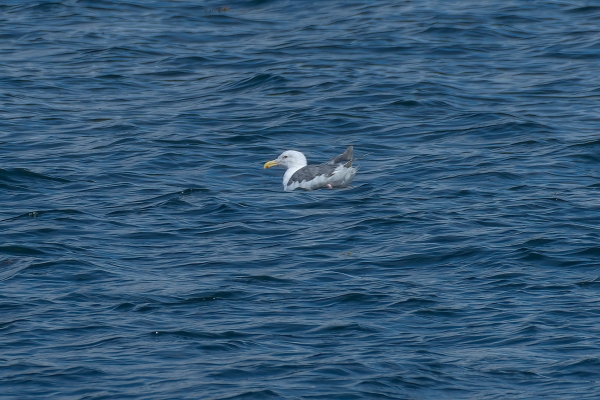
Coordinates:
(145, 253)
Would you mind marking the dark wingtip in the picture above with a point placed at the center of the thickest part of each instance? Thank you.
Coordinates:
(347, 156)
(344, 157)
(348, 153)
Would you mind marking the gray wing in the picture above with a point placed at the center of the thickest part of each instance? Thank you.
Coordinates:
(311, 171)
(345, 158)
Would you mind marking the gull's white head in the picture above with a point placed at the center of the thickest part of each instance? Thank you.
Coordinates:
(288, 159)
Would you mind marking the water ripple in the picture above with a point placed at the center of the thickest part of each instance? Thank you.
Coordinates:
(145, 252)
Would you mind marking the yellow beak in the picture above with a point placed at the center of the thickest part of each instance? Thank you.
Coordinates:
(270, 164)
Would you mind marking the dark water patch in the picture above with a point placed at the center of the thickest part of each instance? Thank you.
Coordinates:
(66, 268)
(257, 81)
(196, 335)
(24, 175)
(414, 303)
(358, 298)
(212, 297)
(124, 307)
(10, 267)
(584, 10)
(171, 200)
(265, 279)
(253, 394)
(343, 329)
(581, 368)
(16, 250)
(589, 284)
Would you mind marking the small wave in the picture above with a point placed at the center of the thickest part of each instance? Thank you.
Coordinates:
(22, 175)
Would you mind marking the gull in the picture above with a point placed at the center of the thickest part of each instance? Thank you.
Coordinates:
(337, 172)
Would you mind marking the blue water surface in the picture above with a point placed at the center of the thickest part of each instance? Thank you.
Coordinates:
(145, 252)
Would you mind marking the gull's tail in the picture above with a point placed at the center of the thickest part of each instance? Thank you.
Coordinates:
(343, 158)
(349, 163)
(346, 158)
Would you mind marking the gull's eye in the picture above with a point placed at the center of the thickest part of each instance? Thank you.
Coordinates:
(284, 156)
